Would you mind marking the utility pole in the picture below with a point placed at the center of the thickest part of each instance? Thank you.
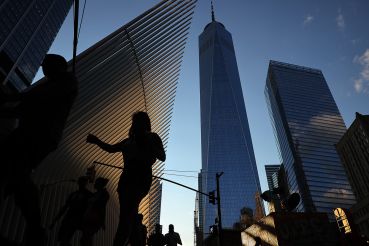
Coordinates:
(157, 177)
(219, 210)
(211, 194)
(75, 34)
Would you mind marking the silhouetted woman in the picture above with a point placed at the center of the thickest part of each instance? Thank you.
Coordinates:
(94, 217)
(140, 151)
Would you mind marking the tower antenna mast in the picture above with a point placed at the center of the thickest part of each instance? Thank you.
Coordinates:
(212, 11)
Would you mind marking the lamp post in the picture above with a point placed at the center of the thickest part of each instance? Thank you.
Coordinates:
(218, 175)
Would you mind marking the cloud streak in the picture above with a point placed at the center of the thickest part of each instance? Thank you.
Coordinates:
(308, 19)
(361, 84)
(340, 20)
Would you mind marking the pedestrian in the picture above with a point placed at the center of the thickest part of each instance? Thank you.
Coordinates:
(157, 238)
(140, 151)
(74, 209)
(139, 233)
(172, 238)
(94, 217)
(42, 111)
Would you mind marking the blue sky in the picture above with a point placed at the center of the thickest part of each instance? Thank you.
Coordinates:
(330, 35)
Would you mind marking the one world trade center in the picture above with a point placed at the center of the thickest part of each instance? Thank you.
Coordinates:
(225, 135)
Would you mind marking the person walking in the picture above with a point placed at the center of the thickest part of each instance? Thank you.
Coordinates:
(94, 217)
(172, 238)
(42, 111)
(140, 151)
(139, 233)
(157, 238)
(74, 209)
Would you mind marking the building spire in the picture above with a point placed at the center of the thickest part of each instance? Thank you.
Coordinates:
(212, 11)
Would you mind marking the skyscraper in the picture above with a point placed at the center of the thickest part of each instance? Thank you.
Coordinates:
(272, 175)
(225, 136)
(27, 30)
(307, 125)
(353, 149)
(134, 68)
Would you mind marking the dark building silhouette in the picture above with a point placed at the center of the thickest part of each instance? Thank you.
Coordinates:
(27, 30)
(134, 68)
(297, 229)
(225, 135)
(307, 125)
(353, 149)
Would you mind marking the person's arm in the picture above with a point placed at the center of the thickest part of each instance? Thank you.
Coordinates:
(158, 147)
(60, 213)
(8, 106)
(105, 201)
(179, 239)
(111, 148)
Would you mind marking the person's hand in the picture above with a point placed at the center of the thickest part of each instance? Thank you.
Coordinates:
(92, 139)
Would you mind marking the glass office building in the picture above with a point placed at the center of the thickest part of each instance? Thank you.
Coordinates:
(225, 136)
(27, 30)
(307, 125)
(134, 68)
(271, 172)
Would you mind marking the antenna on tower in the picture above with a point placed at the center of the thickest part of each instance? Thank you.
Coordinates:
(212, 11)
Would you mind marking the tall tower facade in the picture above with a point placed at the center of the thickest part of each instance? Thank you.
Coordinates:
(307, 125)
(353, 149)
(225, 136)
(27, 30)
(271, 172)
(135, 68)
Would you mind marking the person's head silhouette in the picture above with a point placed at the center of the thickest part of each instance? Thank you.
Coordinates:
(100, 183)
(171, 228)
(53, 65)
(140, 218)
(82, 182)
(140, 124)
(157, 228)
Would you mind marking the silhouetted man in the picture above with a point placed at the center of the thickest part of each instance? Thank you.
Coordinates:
(94, 218)
(139, 233)
(74, 209)
(172, 238)
(42, 111)
(157, 238)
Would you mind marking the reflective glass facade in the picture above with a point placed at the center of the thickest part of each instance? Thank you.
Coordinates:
(225, 136)
(134, 68)
(307, 125)
(272, 175)
(27, 30)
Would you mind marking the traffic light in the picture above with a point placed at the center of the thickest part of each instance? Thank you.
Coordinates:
(91, 173)
(212, 197)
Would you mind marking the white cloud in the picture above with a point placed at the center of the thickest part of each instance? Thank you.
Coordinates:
(361, 84)
(365, 73)
(308, 19)
(358, 85)
(340, 20)
(355, 41)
